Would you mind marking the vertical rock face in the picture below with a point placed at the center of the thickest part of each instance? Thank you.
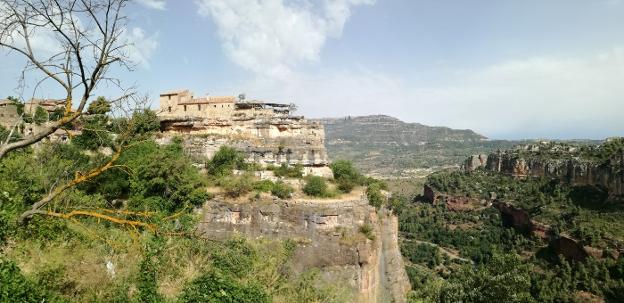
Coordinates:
(568, 168)
(329, 238)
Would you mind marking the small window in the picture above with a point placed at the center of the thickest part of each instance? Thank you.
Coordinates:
(184, 107)
(169, 108)
(215, 106)
(198, 106)
(169, 96)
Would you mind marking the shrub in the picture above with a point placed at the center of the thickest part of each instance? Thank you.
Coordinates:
(368, 231)
(316, 187)
(224, 161)
(41, 115)
(282, 190)
(346, 175)
(374, 195)
(284, 170)
(236, 186)
(216, 287)
(264, 186)
(14, 287)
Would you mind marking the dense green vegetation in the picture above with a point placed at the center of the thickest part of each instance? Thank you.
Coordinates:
(470, 256)
(132, 238)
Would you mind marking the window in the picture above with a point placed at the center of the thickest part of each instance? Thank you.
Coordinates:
(198, 106)
(184, 107)
(215, 106)
(169, 108)
(169, 97)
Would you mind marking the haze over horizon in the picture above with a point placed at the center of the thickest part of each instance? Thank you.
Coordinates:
(505, 69)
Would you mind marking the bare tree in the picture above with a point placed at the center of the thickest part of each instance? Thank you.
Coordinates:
(90, 40)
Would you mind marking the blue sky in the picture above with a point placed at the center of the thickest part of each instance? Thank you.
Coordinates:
(506, 69)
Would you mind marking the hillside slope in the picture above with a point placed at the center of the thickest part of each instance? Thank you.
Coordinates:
(388, 147)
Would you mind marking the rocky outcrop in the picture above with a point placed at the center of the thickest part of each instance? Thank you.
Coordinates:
(329, 238)
(475, 161)
(569, 248)
(608, 175)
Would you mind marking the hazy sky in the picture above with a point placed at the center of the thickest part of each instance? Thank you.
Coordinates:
(506, 69)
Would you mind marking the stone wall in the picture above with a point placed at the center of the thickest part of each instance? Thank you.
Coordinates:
(329, 239)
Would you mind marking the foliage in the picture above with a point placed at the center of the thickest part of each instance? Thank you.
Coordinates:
(15, 287)
(263, 186)
(504, 279)
(99, 107)
(316, 186)
(144, 122)
(286, 171)
(346, 175)
(368, 231)
(216, 287)
(236, 186)
(224, 161)
(147, 283)
(282, 190)
(374, 195)
(40, 116)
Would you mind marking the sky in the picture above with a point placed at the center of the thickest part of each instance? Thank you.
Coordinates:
(507, 69)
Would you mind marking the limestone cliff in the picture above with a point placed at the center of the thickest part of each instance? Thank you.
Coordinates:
(567, 165)
(266, 132)
(329, 238)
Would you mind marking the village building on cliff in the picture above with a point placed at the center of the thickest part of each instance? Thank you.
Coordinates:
(266, 132)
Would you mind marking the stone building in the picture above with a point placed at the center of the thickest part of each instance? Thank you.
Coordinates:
(265, 131)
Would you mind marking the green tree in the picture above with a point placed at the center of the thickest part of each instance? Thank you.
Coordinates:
(316, 187)
(224, 161)
(504, 279)
(40, 116)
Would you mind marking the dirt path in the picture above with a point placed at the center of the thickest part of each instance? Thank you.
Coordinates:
(450, 253)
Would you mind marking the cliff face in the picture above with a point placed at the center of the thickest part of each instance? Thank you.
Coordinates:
(329, 238)
(573, 170)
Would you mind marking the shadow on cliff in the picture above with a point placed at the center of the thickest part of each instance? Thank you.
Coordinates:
(593, 198)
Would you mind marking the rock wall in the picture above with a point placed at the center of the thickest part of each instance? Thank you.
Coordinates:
(273, 140)
(329, 238)
(573, 170)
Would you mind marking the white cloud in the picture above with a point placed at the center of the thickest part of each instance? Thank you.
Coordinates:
(154, 4)
(270, 37)
(141, 46)
(546, 97)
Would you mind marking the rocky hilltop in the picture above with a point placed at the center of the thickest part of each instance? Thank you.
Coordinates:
(387, 147)
(389, 131)
(601, 166)
(266, 132)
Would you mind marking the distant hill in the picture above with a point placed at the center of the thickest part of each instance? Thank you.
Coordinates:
(388, 147)
(386, 130)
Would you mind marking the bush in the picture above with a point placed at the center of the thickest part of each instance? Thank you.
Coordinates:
(346, 175)
(374, 195)
(41, 115)
(282, 190)
(236, 186)
(284, 170)
(316, 187)
(216, 287)
(14, 287)
(368, 231)
(224, 161)
(264, 186)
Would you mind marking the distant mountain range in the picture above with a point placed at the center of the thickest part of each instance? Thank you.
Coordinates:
(385, 146)
(390, 131)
